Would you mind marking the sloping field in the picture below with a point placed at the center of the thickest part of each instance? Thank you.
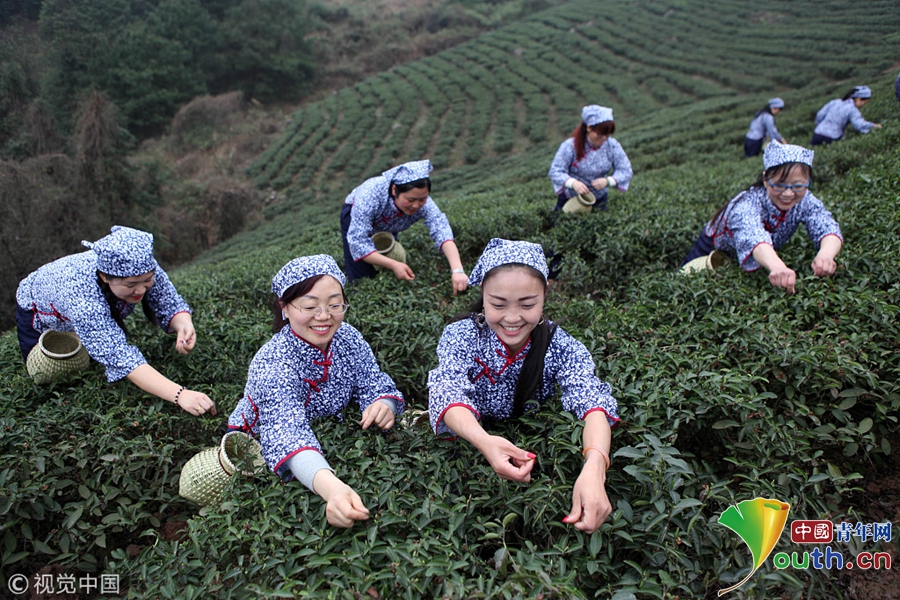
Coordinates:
(520, 86)
(729, 389)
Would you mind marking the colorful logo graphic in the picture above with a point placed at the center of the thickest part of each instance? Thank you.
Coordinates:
(759, 522)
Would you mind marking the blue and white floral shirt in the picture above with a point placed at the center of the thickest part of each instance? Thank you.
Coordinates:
(374, 210)
(608, 159)
(833, 118)
(750, 219)
(291, 382)
(763, 125)
(476, 370)
(64, 296)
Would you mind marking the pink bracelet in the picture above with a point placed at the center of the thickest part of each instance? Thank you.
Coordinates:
(602, 453)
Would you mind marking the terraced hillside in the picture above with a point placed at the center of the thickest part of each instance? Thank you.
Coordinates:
(729, 389)
(509, 90)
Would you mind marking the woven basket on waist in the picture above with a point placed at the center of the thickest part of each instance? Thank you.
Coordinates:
(582, 203)
(387, 244)
(56, 354)
(204, 476)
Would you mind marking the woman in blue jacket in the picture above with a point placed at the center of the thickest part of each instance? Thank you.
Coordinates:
(833, 118)
(762, 126)
(92, 292)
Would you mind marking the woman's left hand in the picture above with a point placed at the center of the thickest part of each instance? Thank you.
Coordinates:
(183, 327)
(379, 413)
(590, 505)
(460, 282)
(600, 183)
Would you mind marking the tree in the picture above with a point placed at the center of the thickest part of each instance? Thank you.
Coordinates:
(80, 36)
(149, 77)
(263, 50)
(10, 9)
(103, 175)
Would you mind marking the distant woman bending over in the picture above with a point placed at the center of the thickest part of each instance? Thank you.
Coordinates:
(393, 202)
(493, 361)
(833, 118)
(91, 293)
(763, 126)
(756, 223)
(314, 366)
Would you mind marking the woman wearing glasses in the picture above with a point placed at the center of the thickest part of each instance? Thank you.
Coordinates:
(314, 366)
(757, 222)
(833, 118)
(591, 160)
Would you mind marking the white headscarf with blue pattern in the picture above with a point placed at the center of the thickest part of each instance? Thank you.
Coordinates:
(861, 91)
(594, 114)
(504, 252)
(125, 252)
(779, 154)
(304, 267)
(408, 172)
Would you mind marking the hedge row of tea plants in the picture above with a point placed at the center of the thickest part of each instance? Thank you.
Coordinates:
(728, 388)
(534, 75)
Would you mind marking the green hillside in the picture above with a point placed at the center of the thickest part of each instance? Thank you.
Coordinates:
(728, 388)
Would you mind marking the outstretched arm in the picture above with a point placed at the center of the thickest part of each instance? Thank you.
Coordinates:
(153, 382)
(343, 506)
(779, 273)
(458, 277)
(400, 270)
(823, 264)
(590, 505)
(509, 462)
(183, 326)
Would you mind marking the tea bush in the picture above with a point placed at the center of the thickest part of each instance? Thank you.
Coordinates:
(728, 388)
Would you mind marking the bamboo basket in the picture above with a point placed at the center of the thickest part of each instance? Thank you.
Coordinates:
(57, 354)
(204, 476)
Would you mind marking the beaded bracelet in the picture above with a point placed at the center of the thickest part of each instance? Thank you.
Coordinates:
(178, 394)
(602, 453)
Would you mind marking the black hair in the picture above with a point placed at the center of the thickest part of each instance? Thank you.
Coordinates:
(767, 109)
(777, 172)
(301, 288)
(850, 93)
(531, 378)
(402, 188)
(113, 301)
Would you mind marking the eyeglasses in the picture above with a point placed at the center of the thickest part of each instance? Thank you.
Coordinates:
(315, 311)
(780, 188)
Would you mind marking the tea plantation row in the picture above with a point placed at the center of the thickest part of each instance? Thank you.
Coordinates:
(524, 84)
(729, 389)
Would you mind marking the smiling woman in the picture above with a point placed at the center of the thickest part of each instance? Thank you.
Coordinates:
(393, 202)
(757, 222)
(313, 367)
(504, 358)
(91, 293)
